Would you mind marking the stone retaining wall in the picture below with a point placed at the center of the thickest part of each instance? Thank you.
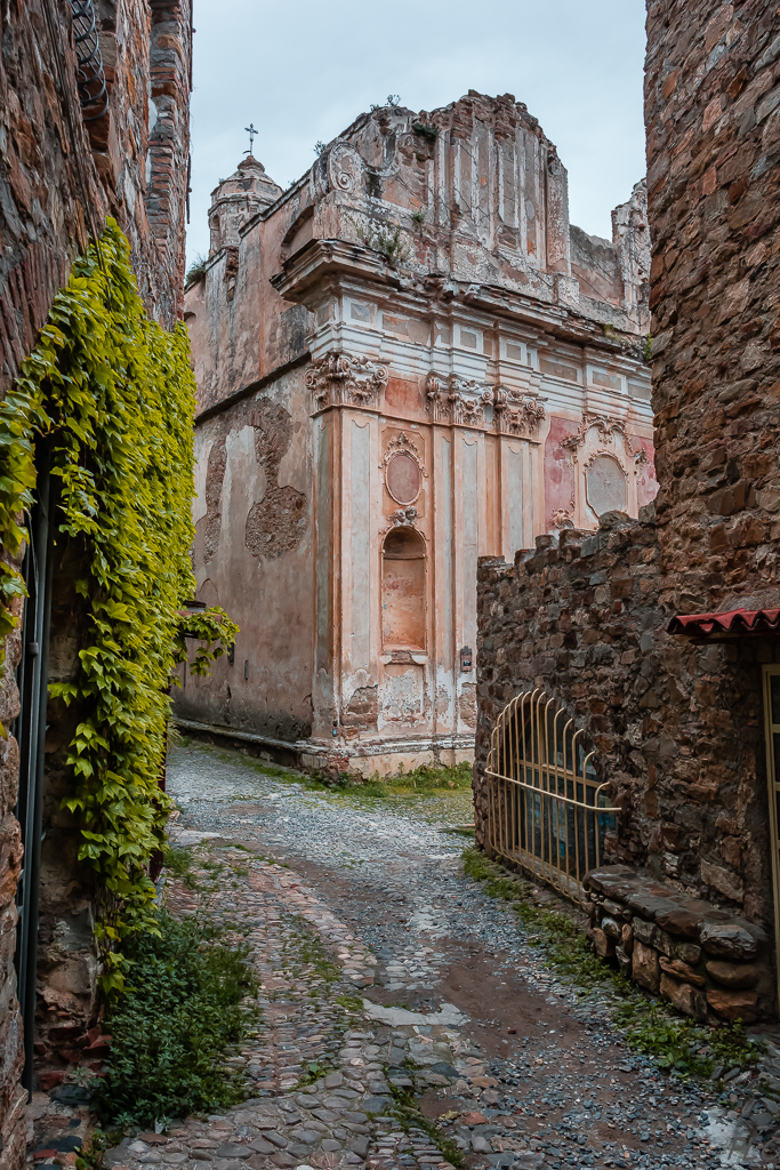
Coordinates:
(708, 963)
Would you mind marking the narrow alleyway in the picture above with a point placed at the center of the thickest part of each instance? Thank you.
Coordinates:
(387, 977)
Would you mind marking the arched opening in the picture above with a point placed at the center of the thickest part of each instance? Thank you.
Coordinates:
(548, 809)
(403, 590)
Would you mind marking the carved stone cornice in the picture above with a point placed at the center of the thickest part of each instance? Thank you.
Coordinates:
(339, 379)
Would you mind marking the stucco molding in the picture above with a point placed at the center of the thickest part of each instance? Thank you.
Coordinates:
(517, 413)
(339, 379)
(606, 425)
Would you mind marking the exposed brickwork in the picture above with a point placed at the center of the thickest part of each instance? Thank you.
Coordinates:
(59, 178)
(677, 726)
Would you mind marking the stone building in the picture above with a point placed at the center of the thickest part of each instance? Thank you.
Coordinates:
(94, 121)
(406, 360)
(659, 638)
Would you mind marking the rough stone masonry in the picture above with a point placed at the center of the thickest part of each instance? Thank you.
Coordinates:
(678, 724)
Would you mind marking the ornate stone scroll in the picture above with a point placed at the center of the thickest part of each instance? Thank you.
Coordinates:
(452, 399)
(517, 413)
(338, 379)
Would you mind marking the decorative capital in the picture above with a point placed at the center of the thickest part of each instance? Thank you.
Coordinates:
(452, 399)
(517, 413)
(338, 379)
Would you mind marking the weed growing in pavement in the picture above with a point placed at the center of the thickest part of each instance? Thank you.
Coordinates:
(407, 1113)
(677, 1044)
(178, 863)
(187, 1002)
(308, 961)
(91, 1154)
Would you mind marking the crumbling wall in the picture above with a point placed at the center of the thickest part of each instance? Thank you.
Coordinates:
(678, 726)
(682, 756)
(253, 550)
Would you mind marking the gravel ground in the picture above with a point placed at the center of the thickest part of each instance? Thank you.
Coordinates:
(459, 1011)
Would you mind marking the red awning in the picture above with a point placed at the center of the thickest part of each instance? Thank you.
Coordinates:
(736, 623)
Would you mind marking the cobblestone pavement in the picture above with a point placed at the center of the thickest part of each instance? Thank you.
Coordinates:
(406, 1021)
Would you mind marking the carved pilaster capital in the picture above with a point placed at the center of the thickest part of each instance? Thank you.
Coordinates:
(339, 379)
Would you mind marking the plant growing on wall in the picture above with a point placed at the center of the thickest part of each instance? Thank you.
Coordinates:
(113, 394)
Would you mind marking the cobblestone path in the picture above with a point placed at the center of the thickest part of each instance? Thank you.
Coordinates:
(406, 1021)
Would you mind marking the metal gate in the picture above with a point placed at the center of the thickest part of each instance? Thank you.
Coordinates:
(546, 808)
(30, 732)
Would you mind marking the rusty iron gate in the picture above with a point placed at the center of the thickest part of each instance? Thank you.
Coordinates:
(546, 808)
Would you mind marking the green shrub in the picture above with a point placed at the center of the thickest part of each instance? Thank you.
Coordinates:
(184, 1005)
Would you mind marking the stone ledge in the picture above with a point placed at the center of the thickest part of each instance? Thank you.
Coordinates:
(708, 963)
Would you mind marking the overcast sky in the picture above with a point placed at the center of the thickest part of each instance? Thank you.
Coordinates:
(302, 70)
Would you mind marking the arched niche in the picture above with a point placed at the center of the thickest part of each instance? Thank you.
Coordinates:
(403, 590)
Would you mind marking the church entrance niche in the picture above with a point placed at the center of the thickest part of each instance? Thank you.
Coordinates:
(403, 591)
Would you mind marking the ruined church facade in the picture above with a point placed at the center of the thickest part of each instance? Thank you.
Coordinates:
(406, 361)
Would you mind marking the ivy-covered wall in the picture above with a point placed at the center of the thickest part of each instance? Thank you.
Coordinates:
(60, 176)
(113, 395)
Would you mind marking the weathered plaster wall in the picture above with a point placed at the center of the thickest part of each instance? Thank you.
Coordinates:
(254, 554)
(59, 178)
(502, 365)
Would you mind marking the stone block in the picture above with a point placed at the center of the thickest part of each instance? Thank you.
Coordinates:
(734, 1004)
(602, 944)
(610, 927)
(732, 940)
(725, 881)
(683, 996)
(683, 971)
(645, 968)
(688, 952)
(644, 931)
(734, 975)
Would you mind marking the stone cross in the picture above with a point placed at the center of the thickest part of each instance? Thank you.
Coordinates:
(250, 129)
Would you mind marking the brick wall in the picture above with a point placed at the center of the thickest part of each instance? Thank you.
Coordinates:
(59, 178)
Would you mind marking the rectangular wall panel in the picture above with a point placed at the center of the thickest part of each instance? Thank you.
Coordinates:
(362, 598)
(324, 547)
(469, 541)
(514, 462)
(445, 542)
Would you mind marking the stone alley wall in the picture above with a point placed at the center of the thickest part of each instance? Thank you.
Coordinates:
(713, 147)
(678, 725)
(61, 173)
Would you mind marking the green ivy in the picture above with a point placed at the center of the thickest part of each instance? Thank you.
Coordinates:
(214, 632)
(113, 394)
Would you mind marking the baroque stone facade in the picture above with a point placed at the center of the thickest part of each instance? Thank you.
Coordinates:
(678, 723)
(65, 164)
(406, 360)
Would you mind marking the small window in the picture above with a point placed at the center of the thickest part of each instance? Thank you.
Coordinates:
(403, 590)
